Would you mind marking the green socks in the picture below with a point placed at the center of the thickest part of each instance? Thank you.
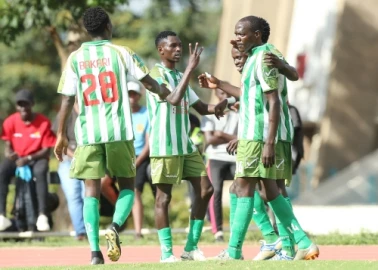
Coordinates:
(165, 239)
(123, 206)
(287, 241)
(91, 221)
(286, 216)
(244, 209)
(195, 231)
(261, 218)
(233, 202)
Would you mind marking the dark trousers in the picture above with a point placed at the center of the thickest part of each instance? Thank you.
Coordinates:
(39, 170)
(219, 171)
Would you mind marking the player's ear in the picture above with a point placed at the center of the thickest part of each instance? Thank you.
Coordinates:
(160, 49)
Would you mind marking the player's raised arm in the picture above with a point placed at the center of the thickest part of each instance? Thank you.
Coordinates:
(176, 96)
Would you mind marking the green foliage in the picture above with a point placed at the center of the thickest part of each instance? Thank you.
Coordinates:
(18, 16)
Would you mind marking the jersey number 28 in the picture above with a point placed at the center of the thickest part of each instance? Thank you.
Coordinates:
(107, 81)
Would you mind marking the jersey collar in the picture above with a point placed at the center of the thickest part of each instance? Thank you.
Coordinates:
(96, 42)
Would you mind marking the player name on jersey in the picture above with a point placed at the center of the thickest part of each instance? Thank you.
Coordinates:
(103, 62)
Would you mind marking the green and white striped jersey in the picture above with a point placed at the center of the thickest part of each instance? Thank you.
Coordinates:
(97, 74)
(170, 126)
(258, 78)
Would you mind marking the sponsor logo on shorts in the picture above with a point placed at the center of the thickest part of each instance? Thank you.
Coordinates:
(280, 164)
(170, 175)
(155, 169)
(251, 162)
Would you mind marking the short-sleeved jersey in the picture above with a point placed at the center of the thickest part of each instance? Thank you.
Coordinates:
(97, 74)
(170, 124)
(257, 79)
(27, 139)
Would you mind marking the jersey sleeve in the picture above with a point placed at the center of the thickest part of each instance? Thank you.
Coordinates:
(135, 65)
(207, 123)
(69, 80)
(267, 76)
(7, 130)
(193, 98)
(158, 75)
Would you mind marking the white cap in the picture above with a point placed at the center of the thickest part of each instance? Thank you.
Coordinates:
(134, 86)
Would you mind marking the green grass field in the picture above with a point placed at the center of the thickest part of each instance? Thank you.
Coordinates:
(253, 237)
(241, 265)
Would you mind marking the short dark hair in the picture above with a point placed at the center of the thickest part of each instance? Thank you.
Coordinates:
(95, 20)
(163, 35)
(260, 24)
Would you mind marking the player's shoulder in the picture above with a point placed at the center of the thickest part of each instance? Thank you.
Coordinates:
(271, 48)
(157, 71)
(121, 48)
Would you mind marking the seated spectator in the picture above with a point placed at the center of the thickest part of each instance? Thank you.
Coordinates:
(28, 138)
(141, 128)
(73, 188)
(221, 165)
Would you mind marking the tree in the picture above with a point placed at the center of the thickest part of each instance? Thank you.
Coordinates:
(19, 16)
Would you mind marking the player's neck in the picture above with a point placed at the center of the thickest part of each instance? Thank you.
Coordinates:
(98, 38)
(168, 64)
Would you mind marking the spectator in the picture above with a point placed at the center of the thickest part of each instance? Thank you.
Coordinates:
(297, 149)
(221, 165)
(27, 137)
(73, 188)
(141, 128)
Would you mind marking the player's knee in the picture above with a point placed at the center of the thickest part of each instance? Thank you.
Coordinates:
(162, 200)
(207, 192)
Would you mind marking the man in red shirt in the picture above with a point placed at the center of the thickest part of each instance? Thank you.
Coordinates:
(27, 137)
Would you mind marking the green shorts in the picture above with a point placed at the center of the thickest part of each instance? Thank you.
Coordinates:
(91, 161)
(171, 170)
(249, 161)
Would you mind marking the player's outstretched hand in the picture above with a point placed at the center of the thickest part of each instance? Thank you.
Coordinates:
(194, 57)
(268, 155)
(232, 147)
(206, 80)
(61, 147)
(273, 61)
(219, 108)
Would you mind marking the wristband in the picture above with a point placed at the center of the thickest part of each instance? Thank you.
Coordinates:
(231, 100)
(29, 157)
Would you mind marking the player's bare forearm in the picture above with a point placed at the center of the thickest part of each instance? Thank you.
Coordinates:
(289, 72)
(65, 111)
(203, 108)
(150, 84)
(230, 89)
(178, 93)
(274, 114)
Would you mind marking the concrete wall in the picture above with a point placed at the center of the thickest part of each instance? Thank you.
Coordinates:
(276, 12)
(348, 127)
